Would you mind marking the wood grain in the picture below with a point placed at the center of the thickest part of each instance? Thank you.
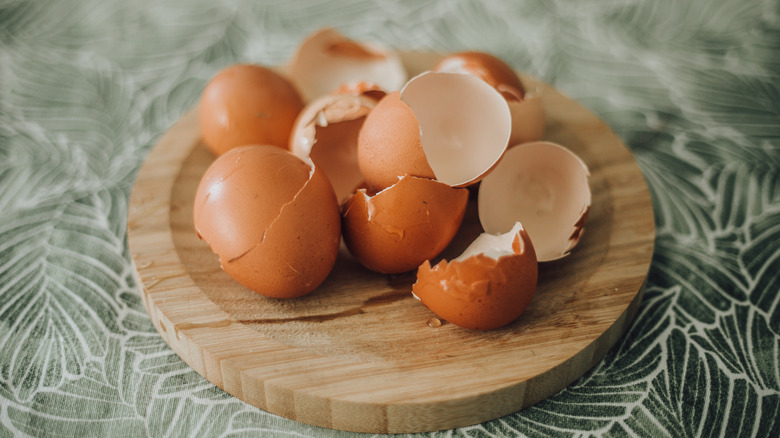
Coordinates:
(357, 354)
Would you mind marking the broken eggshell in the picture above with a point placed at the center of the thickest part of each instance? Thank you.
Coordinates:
(272, 219)
(395, 230)
(450, 127)
(247, 104)
(525, 105)
(326, 131)
(546, 187)
(327, 59)
(486, 287)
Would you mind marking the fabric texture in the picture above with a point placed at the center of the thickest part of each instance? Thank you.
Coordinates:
(88, 87)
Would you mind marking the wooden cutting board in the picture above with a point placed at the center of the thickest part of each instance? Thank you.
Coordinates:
(359, 353)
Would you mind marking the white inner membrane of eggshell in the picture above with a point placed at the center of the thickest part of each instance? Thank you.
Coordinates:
(464, 124)
(543, 185)
(493, 245)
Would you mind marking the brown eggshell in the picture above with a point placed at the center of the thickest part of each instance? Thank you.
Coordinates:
(326, 131)
(546, 187)
(272, 219)
(528, 118)
(481, 290)
(487, 67)
(400, 227)
(389, 144)
(449, 126)
(247, 104)
(366, 89)
(327, 59)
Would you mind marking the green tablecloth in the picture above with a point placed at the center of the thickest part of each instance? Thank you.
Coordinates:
(88, 87)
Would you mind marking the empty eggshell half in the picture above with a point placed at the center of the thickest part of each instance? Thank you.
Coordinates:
(525, 105)
(546, 187)
(403, 225)
(449, 126)
(327, 59)
(488, 286)
(272, 219)
(326, 131)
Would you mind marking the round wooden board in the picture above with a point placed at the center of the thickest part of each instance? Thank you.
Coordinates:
(357, 354)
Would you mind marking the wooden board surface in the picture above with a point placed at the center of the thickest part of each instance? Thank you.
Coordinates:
(358, 354)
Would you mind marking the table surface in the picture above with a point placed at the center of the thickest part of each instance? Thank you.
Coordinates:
(88, 87)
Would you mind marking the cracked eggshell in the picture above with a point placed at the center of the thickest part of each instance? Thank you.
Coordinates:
(450, 127)
(403, 225)
(326, 131)
(327, 59)
(272, 219)
(525, 105)
(247, 104)
(488, 286)
(546, 187)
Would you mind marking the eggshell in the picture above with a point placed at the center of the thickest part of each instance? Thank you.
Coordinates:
(272, 219)
(247, 104)
(326, 131)
(487, 67)
(366, 89)
(488, 286)
(389, 144)
(398, 228)
(528, 118)
(327, 59)
(546, 187)
(449, 126)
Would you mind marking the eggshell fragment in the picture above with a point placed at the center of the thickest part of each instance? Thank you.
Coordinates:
(398, 228)
(488, 286)
(272, 219)
(546, 187)
(247, 104)
(326, 131)
(525, 105)
(327, 59)
(448, 126)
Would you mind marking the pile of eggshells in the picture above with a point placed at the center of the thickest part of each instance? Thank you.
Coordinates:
(341, 144)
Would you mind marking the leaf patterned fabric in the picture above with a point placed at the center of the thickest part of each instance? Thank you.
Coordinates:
(88, 87)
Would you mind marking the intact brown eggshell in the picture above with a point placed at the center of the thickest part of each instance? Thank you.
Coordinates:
(326, 131)
(327, 59)
(488, 286)
(247, 104)
(272, 219)
(546, 187)
(449, 126)
(528, 118)
(398, 228)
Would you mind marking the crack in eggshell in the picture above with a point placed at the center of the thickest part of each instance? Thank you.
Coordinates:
(482, 291)
(219, 185)
(397, 228)
(282, 244)
(283, 208)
